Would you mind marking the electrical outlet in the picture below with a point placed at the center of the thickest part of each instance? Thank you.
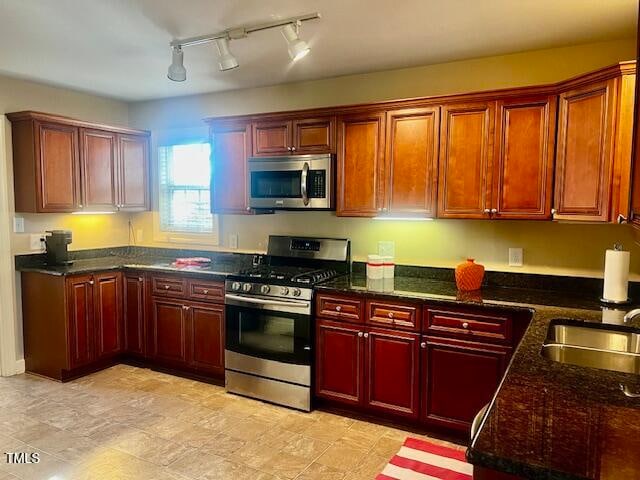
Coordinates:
(18, 224)
(387, 248)
(36, 241)
(515, 257)
(233, 240)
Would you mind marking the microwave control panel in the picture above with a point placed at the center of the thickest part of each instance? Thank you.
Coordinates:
(317, 183)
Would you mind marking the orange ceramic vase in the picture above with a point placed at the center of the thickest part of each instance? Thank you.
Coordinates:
(469, 275)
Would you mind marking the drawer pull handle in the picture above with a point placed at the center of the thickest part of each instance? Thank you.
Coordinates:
(390, 314)
(205, 291)
(423, 344)
(338, 308)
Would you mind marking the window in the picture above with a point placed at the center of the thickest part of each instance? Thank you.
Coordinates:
(184, 173)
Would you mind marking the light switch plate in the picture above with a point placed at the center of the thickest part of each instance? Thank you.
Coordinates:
(233, 240)
(18, 224)
(515, 257)
(387, 248)
(36, 241)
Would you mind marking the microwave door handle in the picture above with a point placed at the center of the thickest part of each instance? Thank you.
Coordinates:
(303, 183)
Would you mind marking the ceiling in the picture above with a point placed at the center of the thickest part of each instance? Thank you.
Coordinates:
(119, 48)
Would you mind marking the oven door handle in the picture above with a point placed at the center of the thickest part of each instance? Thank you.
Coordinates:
(303, 183)
(259, 301)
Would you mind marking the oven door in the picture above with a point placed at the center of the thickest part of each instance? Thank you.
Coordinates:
(257, 331)
(300, 182)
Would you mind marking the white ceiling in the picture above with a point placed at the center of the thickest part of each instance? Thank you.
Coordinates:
(119, 48)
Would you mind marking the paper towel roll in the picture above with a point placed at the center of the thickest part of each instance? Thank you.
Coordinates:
(616, 276)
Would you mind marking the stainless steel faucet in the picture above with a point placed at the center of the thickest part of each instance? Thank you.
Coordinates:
(630, 315)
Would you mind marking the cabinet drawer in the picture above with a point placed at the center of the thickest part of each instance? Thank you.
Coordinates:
(349, 309)
(208, 291)
(491, 326)
(168, 286)
(401, 315)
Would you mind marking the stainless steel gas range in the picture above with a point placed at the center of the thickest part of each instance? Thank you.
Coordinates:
(269, 318)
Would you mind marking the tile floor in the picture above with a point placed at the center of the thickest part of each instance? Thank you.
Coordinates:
(132, 423)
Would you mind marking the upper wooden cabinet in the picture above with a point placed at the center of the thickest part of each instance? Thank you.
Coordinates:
(411, 170)
(299, 136)
(230, 148)
(466, 143)
(361, 144)
(63, 165)
(584, 163)
(524, 154)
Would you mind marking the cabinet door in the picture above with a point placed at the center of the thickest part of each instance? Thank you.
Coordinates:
(314, 135)
(412, 161)
(108, 313)
(271, 138)
(458, 379)
(58, 168)
(466, 142)
(133, 303)
(133, 175)
(360, 165)
(231, 146)
(80, 333)
(339, 362)
(207, 338)
(98, 168)
(584, 159)
(168, 342)
(392, 362)
(523, 175)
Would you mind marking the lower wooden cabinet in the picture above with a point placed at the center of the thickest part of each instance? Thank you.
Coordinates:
(339, 358)
(207, 338)
(168, 329)
(108, 313)
(134, 314)
(459, 378)
(80, 338)
(392, 362)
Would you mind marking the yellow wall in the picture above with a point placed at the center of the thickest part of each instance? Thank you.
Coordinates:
(548, 247)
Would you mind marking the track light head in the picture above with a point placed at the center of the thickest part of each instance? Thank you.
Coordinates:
(176, 71)
(297, 48)
(226, 59)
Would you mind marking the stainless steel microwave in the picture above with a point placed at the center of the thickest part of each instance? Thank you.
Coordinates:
(295, 182)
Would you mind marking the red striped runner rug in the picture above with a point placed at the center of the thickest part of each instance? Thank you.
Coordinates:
(420, 460)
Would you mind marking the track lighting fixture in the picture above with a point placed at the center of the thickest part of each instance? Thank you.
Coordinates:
(227, 61)
(177, 72)
(296, 47)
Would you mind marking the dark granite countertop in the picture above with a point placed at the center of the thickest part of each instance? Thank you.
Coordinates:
(547, 420)
(215, 271)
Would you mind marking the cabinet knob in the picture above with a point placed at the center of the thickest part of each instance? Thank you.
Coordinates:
(91, 282)
(494, 210)
(81, 206)
(379, 209)
(166, 287)
(486, 210)
(390, 314)
(205, 291)
(465, 325)
(360, 334)
(423, 344)
(248, 209)
(366, 335)
(384, 209)
(338, 308)
(553, 211)
(293, 149)
(289, 149)
(140, 279)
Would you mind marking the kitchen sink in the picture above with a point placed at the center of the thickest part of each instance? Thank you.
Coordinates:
(595, 346)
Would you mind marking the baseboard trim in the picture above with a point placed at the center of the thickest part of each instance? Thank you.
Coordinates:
(20, 366)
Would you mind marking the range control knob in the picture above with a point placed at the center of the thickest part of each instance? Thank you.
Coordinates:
(265, 289)
(235, 286)
(284, 290)
(246, 287)
(296, 292)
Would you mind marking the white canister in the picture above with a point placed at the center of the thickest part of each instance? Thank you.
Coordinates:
(388, 267)
(375, 268)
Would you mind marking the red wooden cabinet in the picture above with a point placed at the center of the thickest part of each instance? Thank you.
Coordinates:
(301, 136)
(458, 378)
(134, 314)
(339, 359)
(207, 338)
(168, 331)
(392, 362)
(108, 313)
(98, 169)
(80, 339)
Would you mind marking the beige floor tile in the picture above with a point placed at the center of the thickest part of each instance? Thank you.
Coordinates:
(306, 447)
(227, 470)
(147, 447)
(219, 422)
(317, 471)
(342, 456)
(387, 447)
(360, 439)
(248, 429)
(285, 465)
(223, 445)
(369, 467)
(253, 454)
(196, 463)
(325, 432)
